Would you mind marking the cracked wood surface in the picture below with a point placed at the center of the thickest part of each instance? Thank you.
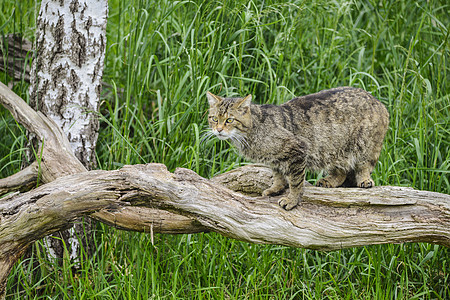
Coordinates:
(325, 220)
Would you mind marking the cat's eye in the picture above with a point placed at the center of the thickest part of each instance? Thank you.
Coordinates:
(214, 119)
(229, 120)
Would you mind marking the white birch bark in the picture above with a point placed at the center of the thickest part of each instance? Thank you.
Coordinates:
(66, 81)
(67, 71)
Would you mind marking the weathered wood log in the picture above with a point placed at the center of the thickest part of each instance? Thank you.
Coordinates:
(22, 181)
(327, 219)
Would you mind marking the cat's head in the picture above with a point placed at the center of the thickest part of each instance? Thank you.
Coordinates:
(229, 118)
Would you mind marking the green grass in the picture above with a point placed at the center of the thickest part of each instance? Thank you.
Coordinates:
(162, 56)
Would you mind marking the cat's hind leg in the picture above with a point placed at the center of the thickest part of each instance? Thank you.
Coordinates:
(279, 184)
(362, 175)
(334, 179)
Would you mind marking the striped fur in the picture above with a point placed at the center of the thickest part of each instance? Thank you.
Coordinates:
(339, 130)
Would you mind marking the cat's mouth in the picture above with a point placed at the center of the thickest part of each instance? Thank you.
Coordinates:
(222, 136)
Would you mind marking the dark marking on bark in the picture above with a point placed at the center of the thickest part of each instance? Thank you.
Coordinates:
(74, 80)
(74, 6)
(83, 10)
(98, 89)
(78, 40)
(102, 44)
(41, 92)
(60, 101)
(97, 67)
(87, 105)
(58, 36)
(57, 74)
(88, 24)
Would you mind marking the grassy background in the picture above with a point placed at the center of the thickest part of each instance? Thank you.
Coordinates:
(162, 56)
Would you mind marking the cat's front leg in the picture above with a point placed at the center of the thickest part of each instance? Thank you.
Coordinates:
(296, 179)
(279, 184)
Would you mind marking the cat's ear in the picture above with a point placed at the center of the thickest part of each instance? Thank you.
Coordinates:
(213, 99)
(244, 102)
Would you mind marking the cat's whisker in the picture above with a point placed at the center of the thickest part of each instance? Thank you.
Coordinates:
(245, 142)
(242, 141)
(206, 136)
(236, 141)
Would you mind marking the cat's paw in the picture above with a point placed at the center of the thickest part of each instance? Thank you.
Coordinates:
(273, 191)
(368, 183)
(323, 182)
(287, 203)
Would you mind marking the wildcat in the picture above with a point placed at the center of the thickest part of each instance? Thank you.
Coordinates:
(340, 130)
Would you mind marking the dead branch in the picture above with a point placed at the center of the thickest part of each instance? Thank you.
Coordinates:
(327, 219)
(22, 181)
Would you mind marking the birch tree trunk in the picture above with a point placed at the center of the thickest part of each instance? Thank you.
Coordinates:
(66, 82)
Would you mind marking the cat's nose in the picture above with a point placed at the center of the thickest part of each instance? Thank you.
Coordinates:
(219, 129)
